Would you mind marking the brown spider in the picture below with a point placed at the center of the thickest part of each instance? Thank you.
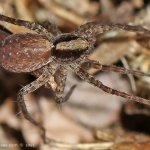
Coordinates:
(46, 55)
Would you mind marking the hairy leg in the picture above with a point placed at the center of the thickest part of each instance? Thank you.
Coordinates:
(90, 79)
(92, 29)
(27, 24)
(122, 70)
(28, 89)
(60, 78)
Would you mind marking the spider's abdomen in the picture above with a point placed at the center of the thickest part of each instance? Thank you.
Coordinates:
(24, 52)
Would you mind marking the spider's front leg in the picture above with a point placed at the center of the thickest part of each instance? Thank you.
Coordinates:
(26, 90)
(112, 68)
(29, 25)
(60, 78)
(93, 29)
(89, 78)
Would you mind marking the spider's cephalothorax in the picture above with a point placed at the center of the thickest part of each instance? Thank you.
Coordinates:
(46, 55)
(68, 48)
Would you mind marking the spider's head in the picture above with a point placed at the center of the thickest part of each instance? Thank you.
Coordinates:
(68, 48)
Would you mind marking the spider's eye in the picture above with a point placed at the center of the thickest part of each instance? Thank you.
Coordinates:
(69, 47)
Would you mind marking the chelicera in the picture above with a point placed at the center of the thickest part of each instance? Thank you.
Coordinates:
(45, 54)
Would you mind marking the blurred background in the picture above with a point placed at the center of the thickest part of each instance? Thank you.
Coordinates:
(90, 115)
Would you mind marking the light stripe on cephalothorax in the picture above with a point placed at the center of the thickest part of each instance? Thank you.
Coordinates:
(71, 49)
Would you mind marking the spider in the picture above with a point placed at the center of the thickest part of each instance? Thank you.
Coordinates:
(48, 52)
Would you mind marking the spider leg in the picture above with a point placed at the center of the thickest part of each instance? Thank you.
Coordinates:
(92, 29)
(60, 78)
(27, 24)
(90, 79)
(51, 27)
(28, 89)
(122, 70)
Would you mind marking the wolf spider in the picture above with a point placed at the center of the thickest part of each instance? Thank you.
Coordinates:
(48, 52)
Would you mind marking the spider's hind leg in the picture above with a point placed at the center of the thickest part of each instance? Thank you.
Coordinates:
(29, 25)
(21, 102)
